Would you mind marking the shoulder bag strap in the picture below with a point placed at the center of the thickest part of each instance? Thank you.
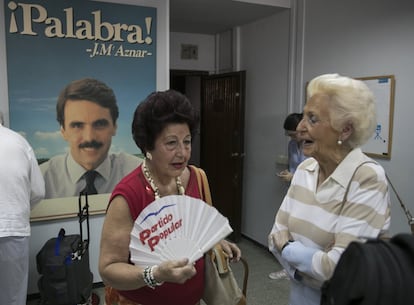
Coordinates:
(349, 184)
(203, 184)
(352, 177)
(405, 209)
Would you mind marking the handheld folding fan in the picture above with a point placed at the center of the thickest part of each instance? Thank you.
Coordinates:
(175, 227)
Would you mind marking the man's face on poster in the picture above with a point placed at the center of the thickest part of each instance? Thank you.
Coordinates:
(88, 128)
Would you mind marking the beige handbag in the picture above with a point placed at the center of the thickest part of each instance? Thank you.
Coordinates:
(221, 287)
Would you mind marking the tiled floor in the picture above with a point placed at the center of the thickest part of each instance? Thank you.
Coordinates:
(261, 290)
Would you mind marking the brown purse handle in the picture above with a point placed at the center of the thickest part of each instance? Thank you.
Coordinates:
(203, 185)
(204, 188)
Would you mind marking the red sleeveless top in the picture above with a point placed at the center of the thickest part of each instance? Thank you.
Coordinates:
(138, 194)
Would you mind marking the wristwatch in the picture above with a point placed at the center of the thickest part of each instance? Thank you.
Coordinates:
(297, 276)
(287, 243)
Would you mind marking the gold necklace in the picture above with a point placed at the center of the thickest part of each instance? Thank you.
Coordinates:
(147, 173)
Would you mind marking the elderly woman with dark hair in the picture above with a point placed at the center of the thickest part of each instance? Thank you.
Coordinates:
(338, 194)
(163, 127)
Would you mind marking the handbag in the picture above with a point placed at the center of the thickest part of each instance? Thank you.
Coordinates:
(375, 272)
(221, 287)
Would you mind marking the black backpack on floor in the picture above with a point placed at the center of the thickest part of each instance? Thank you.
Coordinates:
(377, 272)
(63, 263)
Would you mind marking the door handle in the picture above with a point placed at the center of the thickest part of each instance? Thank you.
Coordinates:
(235, 154)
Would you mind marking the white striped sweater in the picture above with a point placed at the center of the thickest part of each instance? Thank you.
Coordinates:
(317, 217)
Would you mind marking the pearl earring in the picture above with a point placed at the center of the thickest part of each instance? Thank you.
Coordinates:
(148, 156)
(339, 142)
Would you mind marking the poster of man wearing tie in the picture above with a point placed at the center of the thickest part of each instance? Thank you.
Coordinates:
(76, 71)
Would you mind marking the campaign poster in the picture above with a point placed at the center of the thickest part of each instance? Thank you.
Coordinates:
(51, 43)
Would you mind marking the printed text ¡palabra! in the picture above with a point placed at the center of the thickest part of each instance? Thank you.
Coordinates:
(78, 29)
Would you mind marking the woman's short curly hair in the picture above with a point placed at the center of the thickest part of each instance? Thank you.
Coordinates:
(158, 110)
(350, 102)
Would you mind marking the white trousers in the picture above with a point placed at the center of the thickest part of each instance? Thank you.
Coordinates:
(14, 266)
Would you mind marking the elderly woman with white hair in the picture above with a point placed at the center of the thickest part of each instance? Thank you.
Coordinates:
(338, 194)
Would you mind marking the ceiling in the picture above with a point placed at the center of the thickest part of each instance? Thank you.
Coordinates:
(215, 16)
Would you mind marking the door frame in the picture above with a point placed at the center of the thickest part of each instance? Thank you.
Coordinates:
(197, 147)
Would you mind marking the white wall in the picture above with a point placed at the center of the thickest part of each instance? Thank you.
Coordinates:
(265, 58)
(206, 52)
(368, 38)
(225, 52)
(374, 39)
(4, 99)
